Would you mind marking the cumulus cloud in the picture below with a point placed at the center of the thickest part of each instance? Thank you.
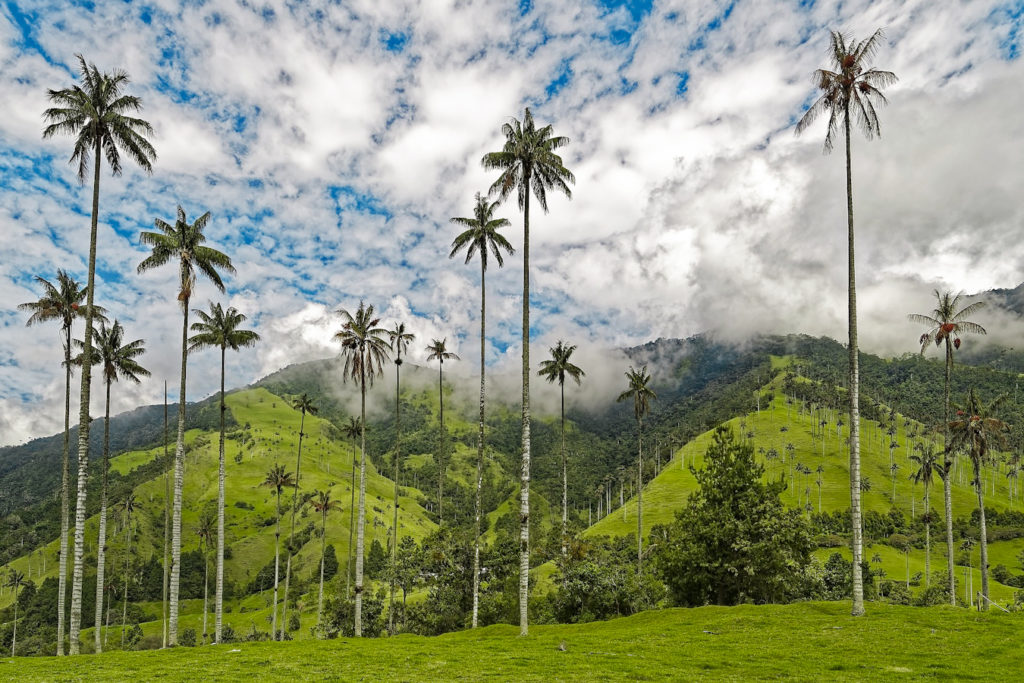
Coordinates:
(331, 144)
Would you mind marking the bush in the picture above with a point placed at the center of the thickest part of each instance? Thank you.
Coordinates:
(937, 593)
(896, 592)
(188, 638)
(228, 635)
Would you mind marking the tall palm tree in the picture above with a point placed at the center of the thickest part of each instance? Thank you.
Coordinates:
(528, 165)
(118, 359)
(219, 329)
(399, 340)
(15, 580)
(304, 404)
(945, 324)
(642, 395)
(205, 530)
(438, 350)
(97, 114)
(481, 236)
(277, 478)
(928, 466)
(555, 370)
(128, 507)
(182, 241)
(365, 352)
(63, 302)
(323, 504)
(976, 430)
(852, 91)
(352, 430)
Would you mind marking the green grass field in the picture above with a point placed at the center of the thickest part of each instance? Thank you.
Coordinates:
(806, 641)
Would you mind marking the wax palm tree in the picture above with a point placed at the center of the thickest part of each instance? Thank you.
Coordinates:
(353, 430)
(399, 340)
(438, 350)
(928, 465)
(945, 324)
(323, 504)
(15, 580)
(118, 359)
(63, 302)
(304, 404)
(852, 91)
(555, 370)
(481, 236)
(976, 430)
(205, 531)
(129, 507)
(528, 165)
(183, 242)
(219, 329)
(641, 395)
(98, 114)
(365, 352)
(278, 479)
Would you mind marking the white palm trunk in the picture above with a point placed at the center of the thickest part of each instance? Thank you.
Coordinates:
(218, 603)
(361, 523)
(524, 474)
(179, 486)
(101, 544)
(62, 575)
(84, 420)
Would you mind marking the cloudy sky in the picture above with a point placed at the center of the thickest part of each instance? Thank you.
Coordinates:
(332, 142)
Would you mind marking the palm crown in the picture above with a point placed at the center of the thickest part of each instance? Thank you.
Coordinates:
(362, 344)
(184, 241)
(638, 390)
(277, 478)
(97, 114)
(219, 329)
(975, 429)
(322, 502)
(64, 301)
(305, 405)
(116, 356)
(528, 162)
(559, 366)
(852, 86)
(438, 349)
(400, 340)
(946, 321)
(482, 234)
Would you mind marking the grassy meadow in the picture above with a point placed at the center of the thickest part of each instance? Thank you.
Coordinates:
(804, 641)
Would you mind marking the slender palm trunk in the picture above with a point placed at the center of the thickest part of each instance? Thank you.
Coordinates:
(983, 535)
(947, 481)
(291, 533)
(206, 585)
(101, 544)
(441, 447)
(14, 636)
(565, 482)
(127, 558)
(927, 537)
(167, 527)
(277, 562)
(640, 497)
(394, 524)
(83, 419)
(361, 523)
(218, 601)
(179, 486)
(349, 568)
(855, 511)
(480, 445)
(62, 576)
(524, 475)
(323, 556)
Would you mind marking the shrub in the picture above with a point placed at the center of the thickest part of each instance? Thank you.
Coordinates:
(188, 637)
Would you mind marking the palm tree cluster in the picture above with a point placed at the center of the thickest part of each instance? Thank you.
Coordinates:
(102, 119)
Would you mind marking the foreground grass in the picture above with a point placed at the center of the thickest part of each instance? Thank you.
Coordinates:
(809, 641)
